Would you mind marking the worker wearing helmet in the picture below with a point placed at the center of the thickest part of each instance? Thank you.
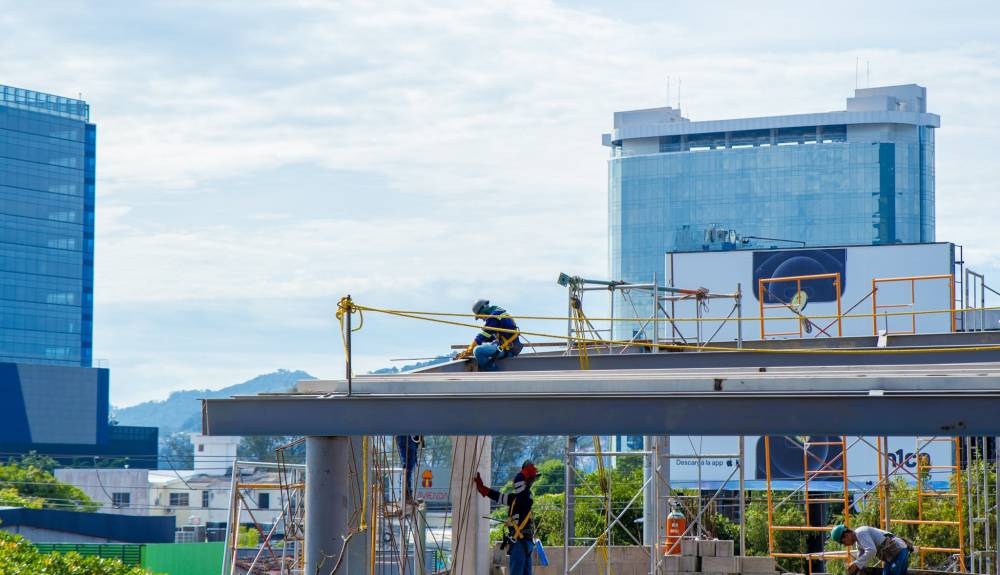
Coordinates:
(892, 550)
(498, 339)
(519, 540)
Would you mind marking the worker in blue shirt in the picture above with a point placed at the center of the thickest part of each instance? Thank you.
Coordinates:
(498, 339)
(519, 540)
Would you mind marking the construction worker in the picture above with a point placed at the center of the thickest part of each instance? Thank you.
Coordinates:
(498, 339)
(892, 550)
(519, 540)
(408, 447)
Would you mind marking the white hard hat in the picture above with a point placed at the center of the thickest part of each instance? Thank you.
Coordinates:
(479, 306)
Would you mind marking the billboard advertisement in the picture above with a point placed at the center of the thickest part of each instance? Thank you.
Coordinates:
(794, 306)
(694, 460)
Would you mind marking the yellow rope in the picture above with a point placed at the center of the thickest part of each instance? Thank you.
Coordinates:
(677, 346)
(704, 318)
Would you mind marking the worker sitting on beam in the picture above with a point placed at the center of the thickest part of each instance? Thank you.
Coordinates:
(498, 339)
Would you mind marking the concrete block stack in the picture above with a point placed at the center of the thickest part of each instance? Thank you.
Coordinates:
(712, 557)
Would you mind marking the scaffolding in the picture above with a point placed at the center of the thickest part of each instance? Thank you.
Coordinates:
(927, 495)
(912, 280)
(815, 466)
(795, 304)
(270, 556)
(646, 329)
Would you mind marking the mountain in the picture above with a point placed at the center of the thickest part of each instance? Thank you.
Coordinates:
(181, 411)
(412, 366)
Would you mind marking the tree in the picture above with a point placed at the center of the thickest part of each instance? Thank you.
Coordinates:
(590, 512)
(552, 477)
(17, 555)
(29, 486)
(177, 451)
(43, 462)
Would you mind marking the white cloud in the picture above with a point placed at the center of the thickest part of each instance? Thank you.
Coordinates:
(475, 128)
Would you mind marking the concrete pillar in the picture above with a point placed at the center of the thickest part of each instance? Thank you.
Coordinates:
(470, 533)
(329, 507)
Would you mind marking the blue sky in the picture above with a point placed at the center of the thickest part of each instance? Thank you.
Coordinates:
(257, 160)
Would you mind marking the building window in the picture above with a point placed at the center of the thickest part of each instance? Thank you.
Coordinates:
(121, 500)
(264, 501)
(179, 500)
(204, 498)
(201, 447)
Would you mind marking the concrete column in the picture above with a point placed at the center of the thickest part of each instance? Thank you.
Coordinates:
(329, 507)
(470, 533)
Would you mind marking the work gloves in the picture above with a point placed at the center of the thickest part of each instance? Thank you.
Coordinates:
(480, 487)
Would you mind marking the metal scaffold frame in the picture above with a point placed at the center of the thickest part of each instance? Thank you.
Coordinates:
(887, 469)
(926, 494)
(795, 305)
(580, 327)
(835, 468)
(910, 304)
(291, 485)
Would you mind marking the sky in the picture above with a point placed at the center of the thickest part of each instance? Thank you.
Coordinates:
(259, 160)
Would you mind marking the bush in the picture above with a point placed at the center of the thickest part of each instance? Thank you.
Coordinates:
(19, 557)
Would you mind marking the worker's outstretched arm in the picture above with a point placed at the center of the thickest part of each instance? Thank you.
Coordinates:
(487, 492)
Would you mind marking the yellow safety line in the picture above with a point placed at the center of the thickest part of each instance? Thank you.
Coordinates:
(692, 319)
(677, 346)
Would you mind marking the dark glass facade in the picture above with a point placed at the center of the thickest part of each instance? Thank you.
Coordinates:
(47, 169)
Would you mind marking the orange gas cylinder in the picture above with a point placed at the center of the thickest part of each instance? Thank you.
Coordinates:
(676, 525)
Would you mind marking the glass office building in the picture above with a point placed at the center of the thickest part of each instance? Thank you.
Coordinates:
(860, 176)
(47, 165)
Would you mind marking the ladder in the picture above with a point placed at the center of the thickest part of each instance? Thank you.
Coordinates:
(829, 469)
(926, 495)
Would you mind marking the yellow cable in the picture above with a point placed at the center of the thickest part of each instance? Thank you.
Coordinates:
(677, 346)
(702, 319)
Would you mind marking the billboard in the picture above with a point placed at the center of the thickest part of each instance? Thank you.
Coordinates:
(694, 460)
(794, 308)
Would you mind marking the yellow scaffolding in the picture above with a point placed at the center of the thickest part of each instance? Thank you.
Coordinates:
(827, 471)
(913, 297)
(763, 288)
(926, 494)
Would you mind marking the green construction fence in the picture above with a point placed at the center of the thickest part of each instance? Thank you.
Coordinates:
(159, 558)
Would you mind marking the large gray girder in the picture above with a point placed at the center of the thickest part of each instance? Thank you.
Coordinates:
(956, 399)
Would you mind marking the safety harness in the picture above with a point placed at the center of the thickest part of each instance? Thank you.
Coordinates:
(517, 527)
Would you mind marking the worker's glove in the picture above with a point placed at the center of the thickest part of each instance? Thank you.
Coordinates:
(466, 353)
(480, 487)
(852, 569)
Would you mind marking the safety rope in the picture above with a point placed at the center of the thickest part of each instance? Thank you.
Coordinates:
(969, 310)
(425, 316)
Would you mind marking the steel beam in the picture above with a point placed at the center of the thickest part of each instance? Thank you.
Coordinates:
(733, 413)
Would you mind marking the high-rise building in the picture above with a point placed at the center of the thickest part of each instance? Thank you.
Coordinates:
(860, 176)
(47, 165)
